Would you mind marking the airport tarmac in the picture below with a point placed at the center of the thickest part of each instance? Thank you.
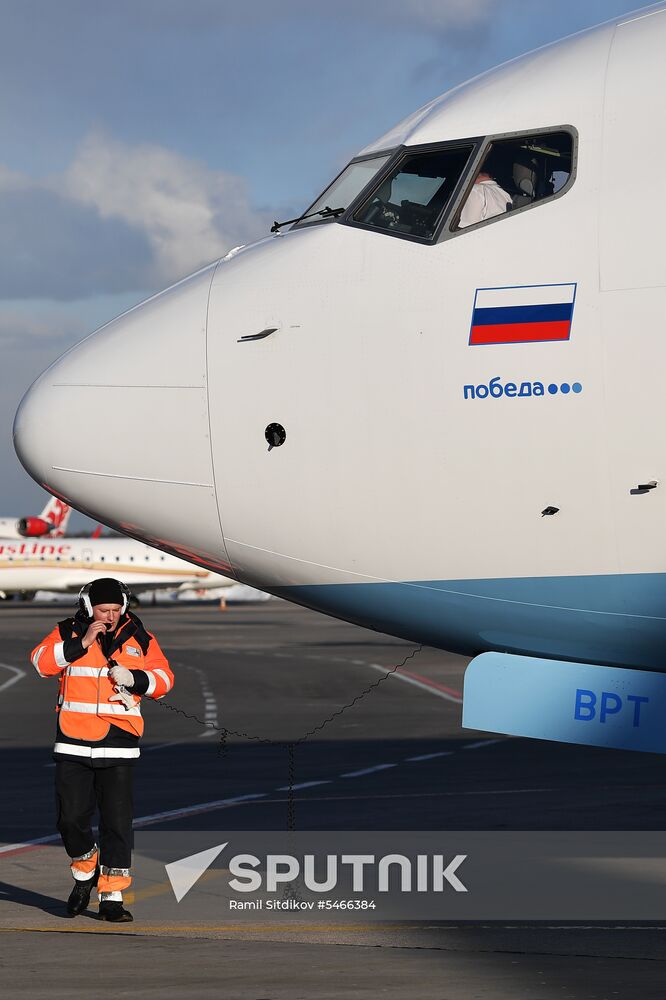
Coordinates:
(395, 759)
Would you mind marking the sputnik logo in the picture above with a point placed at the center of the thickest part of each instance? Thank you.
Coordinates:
(423, 873)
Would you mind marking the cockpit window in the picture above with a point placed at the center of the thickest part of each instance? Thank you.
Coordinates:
(411, 200)
(515, 173)
(340, 194)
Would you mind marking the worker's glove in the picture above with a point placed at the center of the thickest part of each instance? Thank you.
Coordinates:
(125, 697)
(121, 675)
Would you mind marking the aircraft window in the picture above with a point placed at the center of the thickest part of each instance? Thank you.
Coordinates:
(516, 173)
(412, 199)
(346, 186)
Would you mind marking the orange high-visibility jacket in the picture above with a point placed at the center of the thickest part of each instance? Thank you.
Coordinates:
(85, 712)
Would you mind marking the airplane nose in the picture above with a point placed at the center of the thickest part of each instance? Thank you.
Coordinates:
(100, 427)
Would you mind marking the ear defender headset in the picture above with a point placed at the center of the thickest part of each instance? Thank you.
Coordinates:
(84, 599)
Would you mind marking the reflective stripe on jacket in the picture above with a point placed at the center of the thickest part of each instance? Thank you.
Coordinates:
(85, 712)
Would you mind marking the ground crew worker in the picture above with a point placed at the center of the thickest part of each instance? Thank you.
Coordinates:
(105, 660)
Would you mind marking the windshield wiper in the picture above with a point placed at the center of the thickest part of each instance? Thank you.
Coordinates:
(325, 213)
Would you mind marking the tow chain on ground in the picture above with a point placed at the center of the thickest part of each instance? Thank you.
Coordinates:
(289, 746)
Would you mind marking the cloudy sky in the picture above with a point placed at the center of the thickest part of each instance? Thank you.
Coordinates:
(143, 138)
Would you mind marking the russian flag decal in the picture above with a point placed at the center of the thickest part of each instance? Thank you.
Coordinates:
(524, 314)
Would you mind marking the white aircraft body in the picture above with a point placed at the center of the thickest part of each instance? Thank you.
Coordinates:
(449, 433)
(52, 522)
(65, 565)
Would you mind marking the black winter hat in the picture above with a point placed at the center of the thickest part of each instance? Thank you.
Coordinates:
(106, 591)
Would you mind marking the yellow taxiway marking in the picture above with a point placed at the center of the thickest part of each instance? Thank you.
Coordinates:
(161, 888)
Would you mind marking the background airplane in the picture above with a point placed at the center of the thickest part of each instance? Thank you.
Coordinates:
(66, 565)
(448, 433)
(52, 521)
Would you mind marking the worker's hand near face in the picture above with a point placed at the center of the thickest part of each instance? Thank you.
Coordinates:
(91, 635)
(121, 675)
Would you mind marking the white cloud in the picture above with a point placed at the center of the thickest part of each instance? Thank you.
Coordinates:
(16, 327)
(46, 326)
(188, 213)
(120, 218)
(10, 180)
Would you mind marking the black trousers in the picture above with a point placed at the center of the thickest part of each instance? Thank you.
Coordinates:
(79, 790)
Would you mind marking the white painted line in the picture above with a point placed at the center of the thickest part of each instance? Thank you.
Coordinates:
(163, 746)
(18, 674)
(480, 744)
(431, 756)
(147, 820)
(303, 784)
(210, 705)
(367, 770)
(423, 795)
(241, 799)
(30, 843)
(200, 808)
(416, 682)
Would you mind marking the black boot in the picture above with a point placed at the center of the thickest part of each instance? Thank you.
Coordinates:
(79, 897)
(113, 910)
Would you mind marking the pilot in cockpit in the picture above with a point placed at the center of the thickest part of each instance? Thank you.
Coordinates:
(485, 200)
